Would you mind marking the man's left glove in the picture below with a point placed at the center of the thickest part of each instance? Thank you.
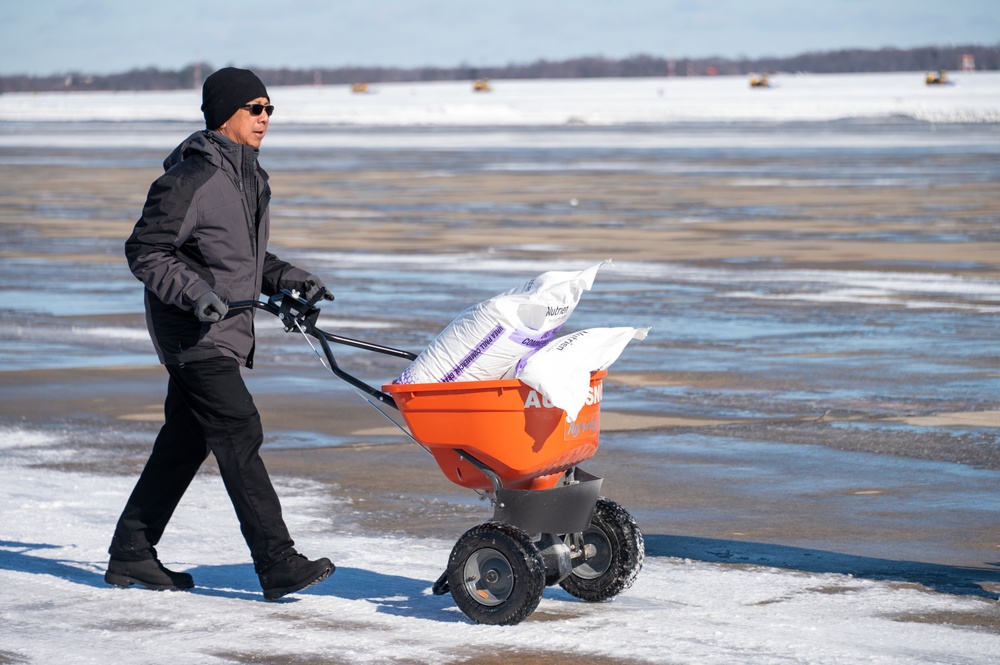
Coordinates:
(313, 290)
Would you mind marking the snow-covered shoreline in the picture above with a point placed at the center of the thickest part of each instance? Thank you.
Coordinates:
(378, 607)
(974, 98)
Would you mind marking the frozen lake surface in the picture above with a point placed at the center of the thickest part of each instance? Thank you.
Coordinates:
(828, 382)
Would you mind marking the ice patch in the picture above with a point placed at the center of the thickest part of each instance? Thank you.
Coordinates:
(107, 332)
(21, 438)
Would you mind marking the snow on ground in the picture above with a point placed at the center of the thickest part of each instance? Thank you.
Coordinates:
(377, 607)
(793, 97)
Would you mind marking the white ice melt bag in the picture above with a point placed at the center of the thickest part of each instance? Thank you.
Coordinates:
(487, 340)
(560, 371)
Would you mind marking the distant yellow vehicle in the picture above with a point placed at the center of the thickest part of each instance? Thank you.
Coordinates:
(481, 85)
(760, 81)
(939, 77)
(359, 87)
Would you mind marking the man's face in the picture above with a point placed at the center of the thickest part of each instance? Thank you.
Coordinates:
(246, 128)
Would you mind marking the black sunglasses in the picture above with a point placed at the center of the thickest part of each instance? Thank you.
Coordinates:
(257, 109)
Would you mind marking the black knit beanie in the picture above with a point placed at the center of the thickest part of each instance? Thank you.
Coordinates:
(226, 91)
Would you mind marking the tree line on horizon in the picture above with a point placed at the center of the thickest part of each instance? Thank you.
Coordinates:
(928, 58)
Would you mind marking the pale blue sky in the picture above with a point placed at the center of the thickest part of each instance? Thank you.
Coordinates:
(107, 36)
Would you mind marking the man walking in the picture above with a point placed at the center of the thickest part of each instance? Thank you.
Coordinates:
(202, 242)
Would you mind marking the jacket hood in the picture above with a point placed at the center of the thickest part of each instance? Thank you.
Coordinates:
(217, 149)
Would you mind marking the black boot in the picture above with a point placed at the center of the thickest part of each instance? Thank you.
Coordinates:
(293, 573)
(149, 573)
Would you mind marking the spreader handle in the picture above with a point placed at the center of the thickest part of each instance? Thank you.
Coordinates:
(297, 314)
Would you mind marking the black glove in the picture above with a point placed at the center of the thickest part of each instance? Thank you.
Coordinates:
(313, 289)
(209, 308)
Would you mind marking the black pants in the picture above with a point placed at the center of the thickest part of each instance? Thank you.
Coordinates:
(208, 409)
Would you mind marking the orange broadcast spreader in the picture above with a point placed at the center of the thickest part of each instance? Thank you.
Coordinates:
(506, 441)
(504, 425)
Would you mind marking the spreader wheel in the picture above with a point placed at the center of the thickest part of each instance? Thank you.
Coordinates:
(614, 554)
(496, 574)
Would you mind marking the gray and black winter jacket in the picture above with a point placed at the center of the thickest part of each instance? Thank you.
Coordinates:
(205, 228)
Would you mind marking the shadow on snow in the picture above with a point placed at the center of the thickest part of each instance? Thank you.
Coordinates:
(393, 594)
(411, 597)
(959, 580)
